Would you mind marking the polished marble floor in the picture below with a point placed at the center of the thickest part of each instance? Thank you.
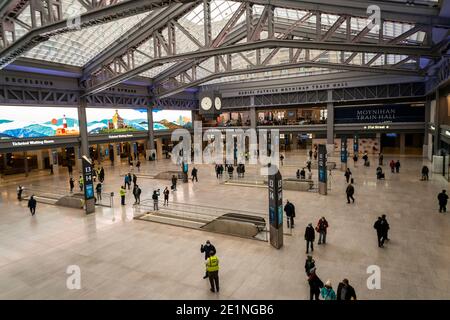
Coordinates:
(123, 258)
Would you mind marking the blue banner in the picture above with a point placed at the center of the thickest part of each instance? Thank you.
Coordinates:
(344, 150)
(379, 114)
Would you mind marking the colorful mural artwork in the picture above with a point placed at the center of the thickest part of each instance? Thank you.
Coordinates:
(171, 119)
(107, 121)
(37, 122)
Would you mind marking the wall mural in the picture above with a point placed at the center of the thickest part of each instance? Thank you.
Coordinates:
(37, 122)
(171, 119)
(107, 121)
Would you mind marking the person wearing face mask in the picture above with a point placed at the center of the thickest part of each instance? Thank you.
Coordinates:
(207, 249)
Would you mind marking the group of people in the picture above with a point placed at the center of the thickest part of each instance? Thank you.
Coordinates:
(310, 234)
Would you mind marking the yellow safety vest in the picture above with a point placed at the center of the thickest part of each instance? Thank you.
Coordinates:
(212, 264)
(122, 192)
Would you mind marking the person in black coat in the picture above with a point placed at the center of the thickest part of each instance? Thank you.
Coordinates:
(32, 205)
(315, 284)
(350, 191)
(194, 174)
(443, 199)
(345, 291)
(384, 228)
(207, 249)
(425, 171)
(310, 235)
(379, 227)
(289, 208)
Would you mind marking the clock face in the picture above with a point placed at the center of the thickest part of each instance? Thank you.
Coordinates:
(218, 103)
(206, 103)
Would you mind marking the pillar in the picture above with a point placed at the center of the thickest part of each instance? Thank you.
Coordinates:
(25, 163)
(99, 154)
(40, 160)
(151, 135)
(78, 163)
(253, 119)
(426, 131)
(402, 143)
(84, 147)
(330, 124)
(159, 149)
(437, 138)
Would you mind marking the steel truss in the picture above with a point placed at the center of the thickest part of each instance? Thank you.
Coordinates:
(252, 43)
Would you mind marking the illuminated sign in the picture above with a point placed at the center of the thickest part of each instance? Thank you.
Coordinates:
(311, 87)
(119, 121)
(171, 119)
(376, 127)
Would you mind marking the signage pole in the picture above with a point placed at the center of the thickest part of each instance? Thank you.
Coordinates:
(275, 184)
(88, 185)
(355, 144)
(323, 174)
(344, 154)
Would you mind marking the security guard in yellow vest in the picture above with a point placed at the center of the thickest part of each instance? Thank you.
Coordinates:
(122, 193)
(212, 268)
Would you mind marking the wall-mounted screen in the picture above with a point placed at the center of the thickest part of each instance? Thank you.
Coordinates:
(171, 119)
(37, 122)
(107, 121)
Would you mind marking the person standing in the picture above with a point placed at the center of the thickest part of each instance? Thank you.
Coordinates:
(321, 228)
(380, 159)
(102, 175)
(134, 180)
(397, 166)
(208, 249)
(347, 175)
(230, 171)
(166, 196)
(310, 154)
(392, 166)
(355, 159)
(384, 228)
(98, 189)
(379, 227)
(138, 165)
(350, 191)
(32, 205)
(194, 174)
(345, 291)
(281, 159)
(443, 199)
(310, 264)
(217, 169)
(81, 183)
(212, 268)
(174, 183)
(309, 237)
(126, 181)
(327, 292)
(315, 285)
(129, 180)
(137, 194)
(19, 192)
(289, 208)
(425, 171)
(71, 184)
(122, 193)
(155, 198)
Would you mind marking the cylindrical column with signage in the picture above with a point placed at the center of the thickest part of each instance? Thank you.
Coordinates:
(323, 174)
(344, 154)
(355, 144)
(88, 185)
(275, 184)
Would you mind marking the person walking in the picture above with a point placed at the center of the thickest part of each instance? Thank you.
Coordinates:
(138, 165)
(122, 193)
(126, 181)
(321, 228)
(137, 194)
(102, 175)
(230, 171)
(289, 208)
(327, 291)
(207, 248)
(379, 228)
(155, 198)
(281, 159)
(32, 205)
(98, 189)
(134, 180)
(347, 175)
(425, 172)
(174, 183)
(443, 199)
(397, 166)
(315, 285)
(19, 192)
(81, 183)
(380, 159)
(309, 237)
(350, 191)
(130, 178)
(310, 264)
(71, 184)
(345, 291)
(355, 159)
(217, 169)
(310, 154)
(166, 196)
(392, 166)
(194, 174)
(384, 228)
(212, 268)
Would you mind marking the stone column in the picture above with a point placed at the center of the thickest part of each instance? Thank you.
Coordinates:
(151, 134)
(437, 138)
(84, 147)
(330, 124)
(402, 143)
(40, 160)
(426, 131)
(253, 119)
(159, 149)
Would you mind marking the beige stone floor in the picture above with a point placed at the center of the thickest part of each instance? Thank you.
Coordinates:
(122, 258)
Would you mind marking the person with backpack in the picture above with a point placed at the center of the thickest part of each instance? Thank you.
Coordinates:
(309, 237)
(321, 228)
(345, 291)
(32, 205)
(315, 285)
(327, 291)
(350, 191)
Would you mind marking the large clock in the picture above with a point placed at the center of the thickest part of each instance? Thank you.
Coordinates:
(218, 103)
(206, 103)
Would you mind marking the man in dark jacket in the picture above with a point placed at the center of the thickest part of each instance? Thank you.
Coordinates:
(310, 264)
(378, 225)
(32, 205)
(321, 228)
(345, 291)
(289, 208)
(425, 171)
(350, 191)
(174, 183)
(315, 284)
(385, 228)
(397, 166)
(194, 174)
(207, 249)
(443, 198)
(309, 237)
